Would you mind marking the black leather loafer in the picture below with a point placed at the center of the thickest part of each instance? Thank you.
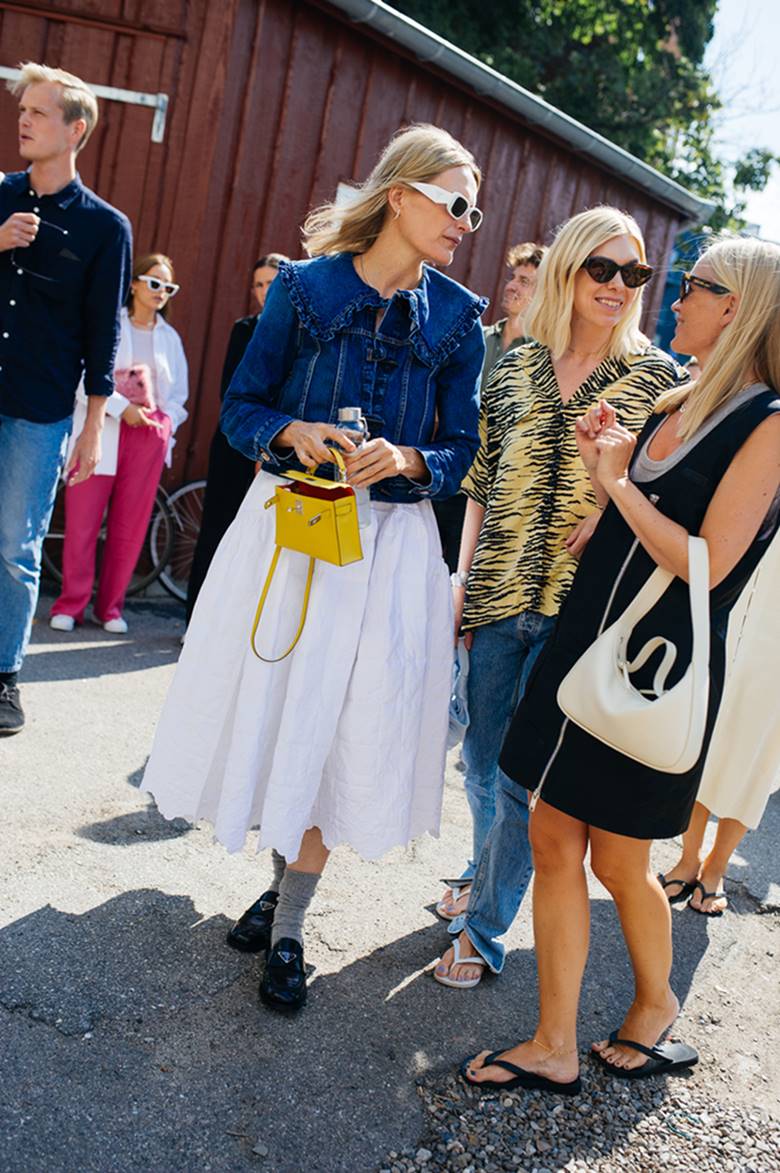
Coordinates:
(252, 932)
(283, 986)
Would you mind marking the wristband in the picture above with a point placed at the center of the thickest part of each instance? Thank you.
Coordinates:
(459, 578)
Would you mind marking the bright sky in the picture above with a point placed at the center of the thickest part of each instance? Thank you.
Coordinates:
(743, 60)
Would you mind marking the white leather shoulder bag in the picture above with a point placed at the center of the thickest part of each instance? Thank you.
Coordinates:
(664, 730)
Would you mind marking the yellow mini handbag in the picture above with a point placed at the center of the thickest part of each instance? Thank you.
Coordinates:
(314, 517)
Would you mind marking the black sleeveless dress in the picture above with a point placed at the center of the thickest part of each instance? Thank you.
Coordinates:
(585, 778)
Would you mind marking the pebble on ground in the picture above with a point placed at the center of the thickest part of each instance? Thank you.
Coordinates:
(641, 1127)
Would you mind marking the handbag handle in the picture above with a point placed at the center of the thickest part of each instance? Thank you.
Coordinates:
(698, 594)
(338, 460)
(261, 604)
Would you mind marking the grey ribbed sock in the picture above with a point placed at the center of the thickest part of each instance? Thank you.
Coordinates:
(279, 863)
(295, 896)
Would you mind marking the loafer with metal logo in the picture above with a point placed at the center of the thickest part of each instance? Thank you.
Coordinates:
(283, 986)
(252, 931)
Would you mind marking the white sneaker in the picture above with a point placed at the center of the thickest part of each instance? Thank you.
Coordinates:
(115, 626)
(62, 622)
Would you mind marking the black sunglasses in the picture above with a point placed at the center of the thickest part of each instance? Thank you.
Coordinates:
(19, 262)
(603, 269)
(688, 282)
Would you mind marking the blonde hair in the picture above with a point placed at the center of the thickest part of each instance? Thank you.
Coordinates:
(529, 253)
(415, 154)
(549, 315)
(748, 347)
(77, 99)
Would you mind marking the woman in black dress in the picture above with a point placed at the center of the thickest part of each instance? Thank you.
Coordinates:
(707, 463)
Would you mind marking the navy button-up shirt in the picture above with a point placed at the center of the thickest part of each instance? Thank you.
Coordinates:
(60, 299)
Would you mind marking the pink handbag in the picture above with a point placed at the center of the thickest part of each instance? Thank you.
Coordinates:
(135, 383)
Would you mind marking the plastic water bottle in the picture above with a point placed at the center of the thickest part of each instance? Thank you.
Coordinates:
(351, 419)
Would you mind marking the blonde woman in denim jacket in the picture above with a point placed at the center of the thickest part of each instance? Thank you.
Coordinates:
(342, 742)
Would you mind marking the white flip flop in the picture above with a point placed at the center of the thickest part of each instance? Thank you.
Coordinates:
(453, 983)
(457, 890)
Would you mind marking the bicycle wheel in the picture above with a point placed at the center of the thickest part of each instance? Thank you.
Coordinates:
(186, 505)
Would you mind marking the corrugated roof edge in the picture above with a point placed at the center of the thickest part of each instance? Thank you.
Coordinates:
(433, 49)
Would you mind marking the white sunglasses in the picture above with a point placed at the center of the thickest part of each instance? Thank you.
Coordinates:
(456, 204)
(155, 284)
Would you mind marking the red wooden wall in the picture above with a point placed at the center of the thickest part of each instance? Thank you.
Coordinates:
(272, 104)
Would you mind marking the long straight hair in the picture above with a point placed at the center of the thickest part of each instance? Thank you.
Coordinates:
(415, 154)
(549, 316)
(749, 346)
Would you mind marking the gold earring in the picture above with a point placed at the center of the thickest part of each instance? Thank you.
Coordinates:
(397, 213)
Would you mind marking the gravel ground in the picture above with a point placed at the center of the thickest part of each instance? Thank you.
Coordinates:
(646, 1126)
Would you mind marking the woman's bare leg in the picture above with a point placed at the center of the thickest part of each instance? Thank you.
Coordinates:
(313, 854)
(686, 870)
(623, 866)
(728, 838)
(561, 928)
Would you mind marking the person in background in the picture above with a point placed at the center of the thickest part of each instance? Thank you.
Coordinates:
(743, 763)
(64, 271)
(523, 262)
(229, 473)
(508, 333)
(527, 488)
(143, 413)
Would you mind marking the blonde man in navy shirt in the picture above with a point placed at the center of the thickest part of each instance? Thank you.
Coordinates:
(64, 269)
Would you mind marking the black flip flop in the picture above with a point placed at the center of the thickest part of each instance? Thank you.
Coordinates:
(686, 888)
(663, 1059)
(707, 896)
(525, 1079)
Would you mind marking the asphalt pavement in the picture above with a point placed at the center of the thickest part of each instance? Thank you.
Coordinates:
(131, 1037)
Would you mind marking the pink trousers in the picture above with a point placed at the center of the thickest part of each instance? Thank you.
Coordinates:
(129, 497)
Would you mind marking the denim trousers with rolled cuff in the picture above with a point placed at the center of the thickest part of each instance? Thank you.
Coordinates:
(502, 656)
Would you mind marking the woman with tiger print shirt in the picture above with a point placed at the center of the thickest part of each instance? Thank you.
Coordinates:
(530, 512)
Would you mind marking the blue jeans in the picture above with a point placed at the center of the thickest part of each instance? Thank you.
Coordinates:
(31, 458)
(503, 874)
(502, 656)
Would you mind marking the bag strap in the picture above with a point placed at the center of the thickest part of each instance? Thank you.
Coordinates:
(699, 600)
(261, 604)
(660, 581)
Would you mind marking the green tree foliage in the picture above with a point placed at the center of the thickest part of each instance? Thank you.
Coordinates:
(632, 70)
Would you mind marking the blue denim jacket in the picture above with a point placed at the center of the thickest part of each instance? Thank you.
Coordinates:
(316, 348)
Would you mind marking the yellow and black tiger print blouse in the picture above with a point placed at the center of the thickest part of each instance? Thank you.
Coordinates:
(530, 480)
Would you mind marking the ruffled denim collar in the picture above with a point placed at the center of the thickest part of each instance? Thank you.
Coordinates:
(327, 293)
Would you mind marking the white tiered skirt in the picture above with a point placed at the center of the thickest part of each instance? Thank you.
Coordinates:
(348, 733)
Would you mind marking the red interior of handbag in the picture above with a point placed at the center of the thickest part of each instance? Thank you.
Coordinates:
(324, 492)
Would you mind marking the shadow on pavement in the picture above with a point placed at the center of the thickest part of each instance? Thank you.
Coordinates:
(136, 827)
(104, 656)
(132, 1029)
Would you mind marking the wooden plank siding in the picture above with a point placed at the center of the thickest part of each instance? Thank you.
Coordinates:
(272, 104)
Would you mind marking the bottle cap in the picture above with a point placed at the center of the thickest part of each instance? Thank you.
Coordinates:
(350, 415)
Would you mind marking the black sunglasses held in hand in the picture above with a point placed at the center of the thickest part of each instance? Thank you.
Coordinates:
(689, 282)
(603, 269)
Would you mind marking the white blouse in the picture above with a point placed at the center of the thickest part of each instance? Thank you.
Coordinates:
(171, 390)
